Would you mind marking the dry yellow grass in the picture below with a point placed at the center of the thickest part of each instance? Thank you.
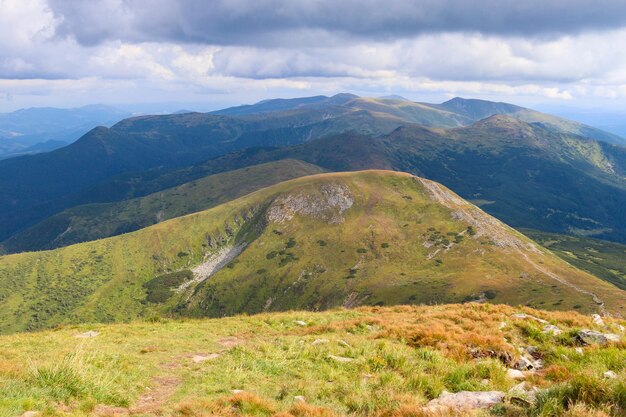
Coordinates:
(398, 359)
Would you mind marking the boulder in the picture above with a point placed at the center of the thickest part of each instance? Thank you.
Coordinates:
(465, 400)
(527, 363)
(590, 337)
(515, 374)
(533, 351)
(610, 375)
(597, 319)
(552, 329)
(523, 394)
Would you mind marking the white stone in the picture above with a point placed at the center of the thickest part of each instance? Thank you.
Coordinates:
(528, 316)
(552, 329)
(593, 337)
(597, 319)
(580, 351)
(320, 341)
(237, 391)
(300, 322)
(520, 393)
(340, 359)
(87, 335)
(299, 398)
(610, 375)
(515, 374)
(466, 400)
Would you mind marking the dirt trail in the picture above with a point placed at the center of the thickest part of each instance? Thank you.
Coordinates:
(163, 387)
(563, 281)
(151, 401)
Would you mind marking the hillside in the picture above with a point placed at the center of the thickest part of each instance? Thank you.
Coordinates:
(345, 239)
(523, 174)
(481, 109)
(40, 129)
(39, 186)
(364, 362)
(97, 221)
(598, 257)
(452, 113)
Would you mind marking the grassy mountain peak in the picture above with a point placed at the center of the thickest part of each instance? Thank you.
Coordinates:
(317, 242)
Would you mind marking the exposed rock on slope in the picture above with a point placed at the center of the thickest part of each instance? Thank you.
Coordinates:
(328, 205)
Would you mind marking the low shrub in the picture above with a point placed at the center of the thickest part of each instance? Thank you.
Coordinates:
(159, 289)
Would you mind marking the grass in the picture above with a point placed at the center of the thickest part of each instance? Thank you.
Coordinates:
(105, 280)
(401, 358)
(598, 257)
(160, 289)
(97, 221)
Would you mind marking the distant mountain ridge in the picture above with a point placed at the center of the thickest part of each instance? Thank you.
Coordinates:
(96, 221)
(520, 172)
(41, 129)
(460, 112)
(39, 186)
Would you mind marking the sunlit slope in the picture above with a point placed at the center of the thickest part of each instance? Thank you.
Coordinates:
(370, 361)
(345, 239)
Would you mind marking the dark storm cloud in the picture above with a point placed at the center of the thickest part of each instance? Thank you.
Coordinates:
(297, 22)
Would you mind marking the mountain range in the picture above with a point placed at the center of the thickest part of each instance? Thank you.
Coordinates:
(535, 175)
(42, 129)
(133, 219)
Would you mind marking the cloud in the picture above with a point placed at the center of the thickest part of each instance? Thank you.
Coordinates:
(124, 50)
(295, 23)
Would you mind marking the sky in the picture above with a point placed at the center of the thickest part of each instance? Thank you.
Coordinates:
(208, 54)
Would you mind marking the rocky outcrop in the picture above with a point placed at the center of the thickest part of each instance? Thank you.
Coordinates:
(523, 394)
(213, 264)
(591, 337)
(502, 235)
(465, 401)
(328, 204)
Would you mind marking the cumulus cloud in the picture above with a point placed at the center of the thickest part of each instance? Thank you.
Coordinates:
(124, 50)
(288, 22)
